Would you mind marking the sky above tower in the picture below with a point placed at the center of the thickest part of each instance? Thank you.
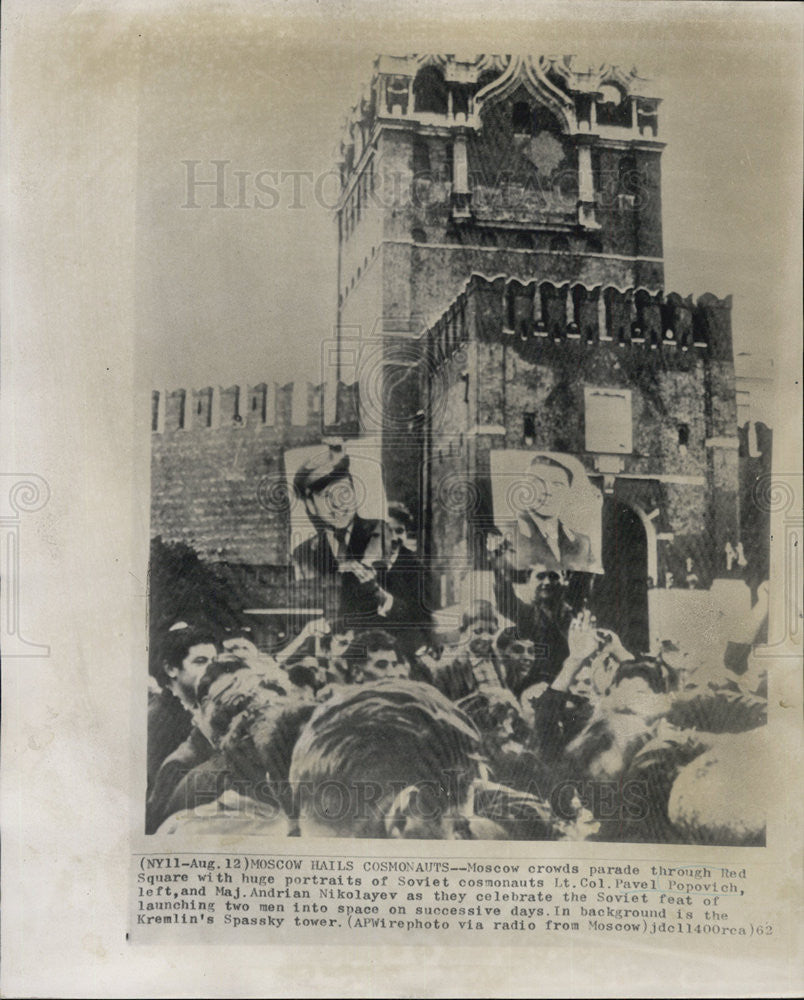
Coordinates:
(236, 279)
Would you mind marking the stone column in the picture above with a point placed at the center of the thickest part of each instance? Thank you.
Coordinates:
(586, 186)
(460, 165)
(602, 332)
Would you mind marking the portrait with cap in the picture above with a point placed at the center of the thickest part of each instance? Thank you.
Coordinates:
(350, 561)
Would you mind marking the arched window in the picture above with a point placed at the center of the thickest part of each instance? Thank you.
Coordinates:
(519, 308)
(430, 91)
(460, 100)
(614, 107)
(522, 119)
(642, 306)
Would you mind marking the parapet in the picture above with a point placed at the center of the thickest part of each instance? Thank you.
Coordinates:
(628, 318)
(264, 406)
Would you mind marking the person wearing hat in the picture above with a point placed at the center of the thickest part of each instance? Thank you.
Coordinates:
(539, 535)
(349, 555)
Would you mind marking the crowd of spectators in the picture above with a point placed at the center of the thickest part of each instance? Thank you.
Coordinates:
(482, 732)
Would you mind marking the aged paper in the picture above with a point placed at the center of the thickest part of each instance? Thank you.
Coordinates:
(402, 500)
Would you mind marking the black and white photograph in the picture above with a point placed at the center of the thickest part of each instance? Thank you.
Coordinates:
(486, 554)
(401, 515)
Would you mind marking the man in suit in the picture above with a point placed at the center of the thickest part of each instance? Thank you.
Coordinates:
(541, 616)
(408, 580)
(539, 535)
(349, 559)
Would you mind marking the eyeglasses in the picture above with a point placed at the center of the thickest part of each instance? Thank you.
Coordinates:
(521, 649)
(550, 576)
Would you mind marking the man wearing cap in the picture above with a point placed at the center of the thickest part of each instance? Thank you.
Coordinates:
(349, 556)
(539, 535)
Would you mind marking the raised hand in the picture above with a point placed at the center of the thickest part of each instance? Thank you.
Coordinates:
(583, 637)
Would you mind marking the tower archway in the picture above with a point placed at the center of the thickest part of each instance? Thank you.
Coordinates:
(620, 596)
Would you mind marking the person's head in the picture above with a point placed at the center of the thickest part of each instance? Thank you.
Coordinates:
(239, 640)
(258, 746)
(479, 625)
(373, 656)
(497, 715)
(399, 523)
(307, 673)
(325, 485)
(516, 653)
(185, 653)
(550, 482)
(641, 687)
(228, 688)
(335, 646)
(390, 759)
(545, 586)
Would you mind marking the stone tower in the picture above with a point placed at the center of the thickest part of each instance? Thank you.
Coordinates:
(524, 166)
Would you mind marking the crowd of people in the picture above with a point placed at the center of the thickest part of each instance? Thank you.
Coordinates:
(523, 720)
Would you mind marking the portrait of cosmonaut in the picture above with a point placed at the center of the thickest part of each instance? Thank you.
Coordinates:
(546, 510)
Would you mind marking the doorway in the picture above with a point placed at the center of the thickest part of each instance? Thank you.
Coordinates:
(620, 597)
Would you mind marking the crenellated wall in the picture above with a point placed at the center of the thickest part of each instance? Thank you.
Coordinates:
(511, 365)
(217, 469)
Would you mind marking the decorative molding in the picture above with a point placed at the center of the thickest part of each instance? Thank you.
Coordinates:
(486, 429)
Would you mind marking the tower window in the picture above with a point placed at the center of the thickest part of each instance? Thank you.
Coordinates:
(614, 108)
(522, 119)
(430, 91)
(529, 427)
(683, 435)
(460, 100)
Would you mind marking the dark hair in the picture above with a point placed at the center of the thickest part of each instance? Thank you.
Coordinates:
(224, 663)
(174, 647)
(381, 738)
(488, 707)
(368, 642)
(508, 637)
(659, 677)
(303, 675)
(399, 512)
(262, 741)
(227, 704)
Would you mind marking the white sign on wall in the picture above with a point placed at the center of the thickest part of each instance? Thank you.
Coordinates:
(609, 427)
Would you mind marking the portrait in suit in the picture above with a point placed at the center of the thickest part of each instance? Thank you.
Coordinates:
(543, 522)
